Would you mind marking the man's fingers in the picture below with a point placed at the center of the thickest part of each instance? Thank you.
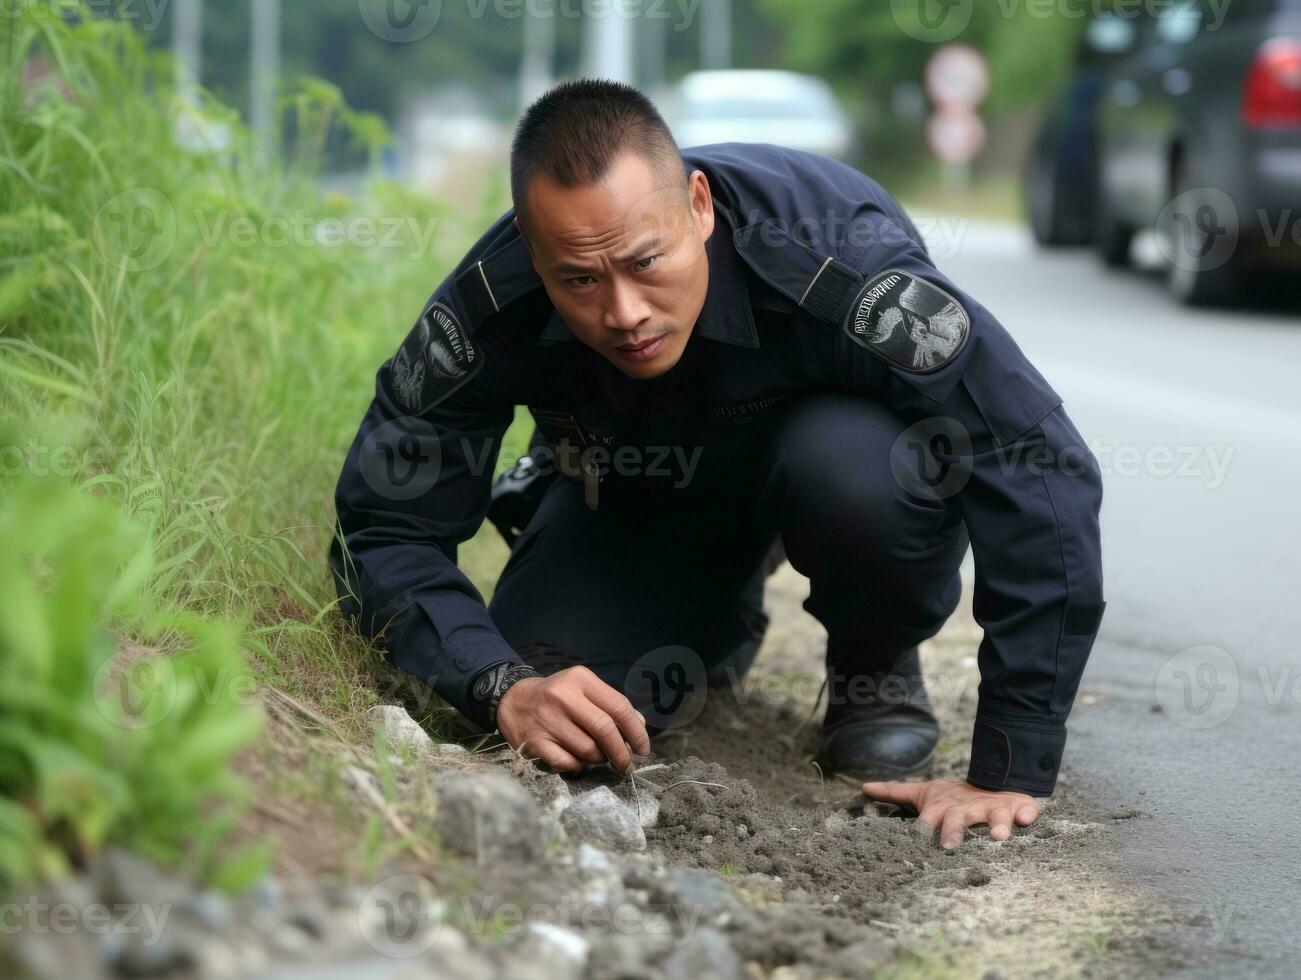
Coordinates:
(628, 718)
(1027, 813)
(955, 823)
(909, 794)
(1000, 824)
(575, 741)
(932, 815)
(552, 754)
(604, 731)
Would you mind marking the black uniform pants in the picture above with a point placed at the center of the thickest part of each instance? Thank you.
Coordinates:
(659, 596)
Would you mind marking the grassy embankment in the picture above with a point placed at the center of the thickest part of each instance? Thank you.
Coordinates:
(188, 339)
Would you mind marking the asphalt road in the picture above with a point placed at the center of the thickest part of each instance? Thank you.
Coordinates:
(1190, 710)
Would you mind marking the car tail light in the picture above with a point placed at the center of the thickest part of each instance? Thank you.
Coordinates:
(1272, 96)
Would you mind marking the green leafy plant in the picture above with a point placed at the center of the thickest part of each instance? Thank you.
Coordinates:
(95, 750)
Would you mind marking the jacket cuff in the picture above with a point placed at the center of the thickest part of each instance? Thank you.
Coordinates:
(448, 670)
(1020, 755)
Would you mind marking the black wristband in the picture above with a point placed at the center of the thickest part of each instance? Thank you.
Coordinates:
(486, 688)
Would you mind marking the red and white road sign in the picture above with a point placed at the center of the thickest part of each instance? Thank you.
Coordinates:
(955, 135)
(957, 75)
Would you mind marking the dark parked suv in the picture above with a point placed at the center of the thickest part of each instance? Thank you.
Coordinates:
(1062, 173)
(1197, 132)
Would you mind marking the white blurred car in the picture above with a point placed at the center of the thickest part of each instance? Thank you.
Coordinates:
(758, 106)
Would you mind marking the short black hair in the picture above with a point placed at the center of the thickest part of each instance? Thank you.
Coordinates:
(575, 132)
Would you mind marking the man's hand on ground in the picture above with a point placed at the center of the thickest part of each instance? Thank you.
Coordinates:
(953, 806)
(572, 719)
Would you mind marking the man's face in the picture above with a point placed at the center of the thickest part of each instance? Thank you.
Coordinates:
(623, 260)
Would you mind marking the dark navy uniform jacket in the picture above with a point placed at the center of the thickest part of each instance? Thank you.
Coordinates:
(818, 280)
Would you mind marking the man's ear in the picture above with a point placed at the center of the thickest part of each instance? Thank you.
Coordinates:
(702, 203)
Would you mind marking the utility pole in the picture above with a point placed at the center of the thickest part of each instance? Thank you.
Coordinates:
(265, 73)
(536, 68)
(607, 45)
(651, 52)
(187, 48)
(716, 34)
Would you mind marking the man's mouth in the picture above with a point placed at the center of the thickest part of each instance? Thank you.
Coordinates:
(643, 350)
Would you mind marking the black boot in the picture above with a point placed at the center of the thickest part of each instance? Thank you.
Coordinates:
(879, 724)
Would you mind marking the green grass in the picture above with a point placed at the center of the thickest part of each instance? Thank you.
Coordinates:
(94, 748)
(175, 340)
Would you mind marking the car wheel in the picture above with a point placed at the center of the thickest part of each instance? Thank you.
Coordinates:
(1045, 218)
(1052, 222)
(1200, 238)
(1114, 238)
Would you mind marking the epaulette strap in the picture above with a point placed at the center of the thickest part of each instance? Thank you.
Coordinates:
(495, 281)
(832, 291)
(819, 283)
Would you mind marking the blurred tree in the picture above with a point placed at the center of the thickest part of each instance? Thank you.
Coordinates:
(862, 49)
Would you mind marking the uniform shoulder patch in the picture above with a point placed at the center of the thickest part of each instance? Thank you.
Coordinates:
(436, 358)
(908, 321)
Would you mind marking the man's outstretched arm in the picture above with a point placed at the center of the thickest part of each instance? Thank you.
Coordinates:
(998, 445)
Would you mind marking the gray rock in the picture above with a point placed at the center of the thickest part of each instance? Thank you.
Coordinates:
(52, 956)
(647, 809)
(628, 956)
(694, 890)
(210, 910)
(551, 792)
(453, 958)
(309, 913)
(592, 858)
(707, 955)
(178, 948)
(124, 879)
(401, 729)
(601, 818)
(489, 816)
(561, 951)
(545, 951)
(866, 956)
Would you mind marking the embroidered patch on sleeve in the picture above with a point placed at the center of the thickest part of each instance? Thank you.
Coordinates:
(436, 358)
(908, 321)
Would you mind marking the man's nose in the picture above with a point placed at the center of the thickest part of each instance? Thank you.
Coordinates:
(625, 309)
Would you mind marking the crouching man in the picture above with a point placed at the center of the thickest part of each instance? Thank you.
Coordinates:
(733, 354)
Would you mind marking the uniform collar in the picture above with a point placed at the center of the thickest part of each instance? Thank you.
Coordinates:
(727, 315)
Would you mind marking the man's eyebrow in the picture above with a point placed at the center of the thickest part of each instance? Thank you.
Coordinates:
(641, 251)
